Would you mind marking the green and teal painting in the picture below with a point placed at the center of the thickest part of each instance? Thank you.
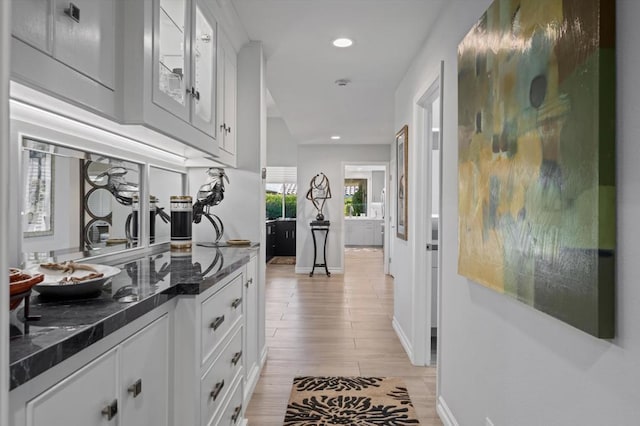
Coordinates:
(536, 115)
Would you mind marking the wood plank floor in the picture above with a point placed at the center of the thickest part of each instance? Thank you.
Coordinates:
(337, 326)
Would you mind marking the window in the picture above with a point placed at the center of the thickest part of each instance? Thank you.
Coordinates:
(281, 192)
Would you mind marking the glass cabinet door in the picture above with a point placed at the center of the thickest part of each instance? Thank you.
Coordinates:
(204, 72)
(171, 62)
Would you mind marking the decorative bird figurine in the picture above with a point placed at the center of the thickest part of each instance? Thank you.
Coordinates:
(210, 194)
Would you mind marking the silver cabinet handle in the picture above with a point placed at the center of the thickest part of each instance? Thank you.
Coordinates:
(110, 410)
(73, 12)
(236, 358)
(136, 388)
(236, 303)
(249, 281)
(236, 414)
(216, 390)
(217, 322)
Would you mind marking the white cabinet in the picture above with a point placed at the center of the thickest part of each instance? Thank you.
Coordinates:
(184, 58)
(363, 232)
(31, 22)
(128, 385)
(67, 49)
(84, 37)
(227, 100)
(251, 328)
(170, 51)
(144, 376)
(209, 350)
(88, 397)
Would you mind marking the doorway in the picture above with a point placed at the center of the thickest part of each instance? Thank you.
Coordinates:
(365, 208)
(427, 269)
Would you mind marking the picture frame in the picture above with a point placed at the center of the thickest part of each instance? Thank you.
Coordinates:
(402, 193)
(39, 194)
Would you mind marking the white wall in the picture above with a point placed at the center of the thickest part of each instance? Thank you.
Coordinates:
(5, 20)
(500, 358)
(282, 148)
(329, 159)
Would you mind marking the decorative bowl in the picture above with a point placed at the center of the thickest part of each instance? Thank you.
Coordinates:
(21, 286)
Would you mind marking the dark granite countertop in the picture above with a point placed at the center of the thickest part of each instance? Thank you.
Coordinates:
(146, 282)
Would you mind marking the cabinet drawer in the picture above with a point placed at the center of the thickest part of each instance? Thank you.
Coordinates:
(218, 314)
(217, 381)
(233, 411)
(78, 399)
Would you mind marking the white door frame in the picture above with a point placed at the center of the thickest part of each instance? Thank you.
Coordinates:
(422, 290)
(385, 242)
(5, 42)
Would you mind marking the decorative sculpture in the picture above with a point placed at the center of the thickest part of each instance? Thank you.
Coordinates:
(211, 194)
(319, 192)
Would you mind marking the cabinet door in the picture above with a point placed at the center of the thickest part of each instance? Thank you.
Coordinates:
(84, 37)
(31, 22)
(80, 398)
(230, 83)
(204, 71)
(251, 317)
(227, 82)
(144, 376)
(171, 44)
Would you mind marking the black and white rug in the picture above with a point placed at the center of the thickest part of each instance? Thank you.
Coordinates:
(356, 401)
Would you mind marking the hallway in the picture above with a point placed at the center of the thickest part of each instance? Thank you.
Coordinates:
(338, 326)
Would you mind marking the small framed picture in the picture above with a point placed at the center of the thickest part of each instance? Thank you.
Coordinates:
(402, 193)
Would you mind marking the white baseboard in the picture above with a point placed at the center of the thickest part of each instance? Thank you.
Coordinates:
(406, 343)
(318, 271)
(263, 356)
(252, 380)
(445, 413)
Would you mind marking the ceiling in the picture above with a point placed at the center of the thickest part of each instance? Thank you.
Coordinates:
(302, 64)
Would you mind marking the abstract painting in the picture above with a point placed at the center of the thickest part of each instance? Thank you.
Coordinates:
(536, 157)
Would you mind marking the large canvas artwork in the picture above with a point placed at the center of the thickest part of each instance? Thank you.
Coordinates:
(536, 115)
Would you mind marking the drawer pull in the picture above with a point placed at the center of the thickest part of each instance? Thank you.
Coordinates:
(236, 413)
(110, 410)
(236, 303)
(249, 281)
(72, 12)
(136, 388)
(236, 358)
(217, 322)
(216, 390)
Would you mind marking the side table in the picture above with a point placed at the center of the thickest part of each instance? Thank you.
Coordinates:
(320, 226)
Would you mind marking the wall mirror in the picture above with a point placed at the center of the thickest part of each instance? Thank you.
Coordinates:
(162, 185)
(76, 201)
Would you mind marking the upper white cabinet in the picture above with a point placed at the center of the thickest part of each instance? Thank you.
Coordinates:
(170, 50)
(227, 94)
(32, 23)
(67, 49)
(84, 37)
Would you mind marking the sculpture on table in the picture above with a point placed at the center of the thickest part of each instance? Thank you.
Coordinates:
(319, 192)
(211, 194)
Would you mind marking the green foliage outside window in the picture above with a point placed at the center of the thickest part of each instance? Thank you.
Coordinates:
(274, 205)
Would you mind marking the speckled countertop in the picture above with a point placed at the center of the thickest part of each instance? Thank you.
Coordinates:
(146, 282)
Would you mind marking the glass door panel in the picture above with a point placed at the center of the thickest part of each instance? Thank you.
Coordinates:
(170, 50)
(204, 53)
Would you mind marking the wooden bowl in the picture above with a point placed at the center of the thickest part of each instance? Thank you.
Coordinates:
(22, 286)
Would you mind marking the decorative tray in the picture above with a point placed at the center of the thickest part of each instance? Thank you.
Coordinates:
(73, 282)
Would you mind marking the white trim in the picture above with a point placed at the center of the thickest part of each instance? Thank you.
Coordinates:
(404, 340)
(5, 37)
(319, 270)
(445, 413)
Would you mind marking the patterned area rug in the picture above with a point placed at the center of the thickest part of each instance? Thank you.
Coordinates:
(282, 260)
(355, 401)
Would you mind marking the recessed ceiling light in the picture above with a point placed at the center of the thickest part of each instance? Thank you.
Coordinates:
(342, 42)
(335, 138)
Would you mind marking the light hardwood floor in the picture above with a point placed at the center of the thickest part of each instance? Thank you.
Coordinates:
(337, 326)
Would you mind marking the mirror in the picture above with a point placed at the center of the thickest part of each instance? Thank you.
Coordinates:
(76, 201)
(162, 185)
